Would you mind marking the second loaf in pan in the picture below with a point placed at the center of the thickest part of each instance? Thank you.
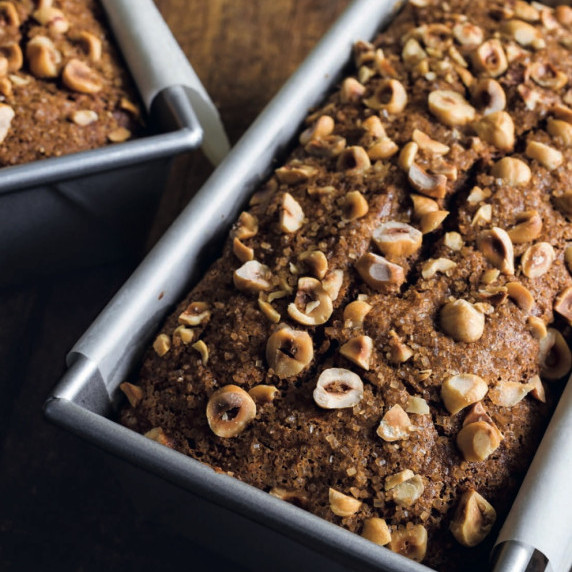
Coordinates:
(382, 338)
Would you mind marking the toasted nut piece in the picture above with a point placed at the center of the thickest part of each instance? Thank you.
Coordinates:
(554, 356)
(312, 306)
(450, 108)
(407, 155)
(434, 265)
(490, 58)
(407, 492)
(395, 425)
(537, 259)
(158, 435)
(14, 58)
(429, 145)
(229, 410)
(383, 149)
(473, 520)
(537, 327)
(548, 156)
(399, 352)
(196, 313)
(521, 32)
(390, 96)
(525, 11)
(396, 479)
(563, 14)
(355, 206)
(468, 34)
(562, 111)
(462, 321)
(395, 239)
(497, 128)
(133, 393)
(563, 304)
(241, 251)
(84, 117)
(315, 262)
(453, 240)
(488, 96)
(431, 185)
(512, 171)
(355, 313)
(460, 391)
(263, 394)
(296, 498)
(52, 18)
(183, 335)
(496, 246)
(268, 310)
(520, 295)
(252, 277)
(91, 44)
(378, 273)
(338, 388)
(410, 541)
(483, 215)
(478, 441)
(343, 505)
(412, 53)
(423, 205)
(162, 344)
(353, 160)
(564, 203)
(43, 57)
(322, 127)
(537, 390)
(509, 393)
(477, 413)
(295, 173)
(351, 91)
(560, 130)
(289, 351)
(374, 128)
(568, 257)
(494, 296)
(291, 214)
(490, 275)
(528, 227)
(376, 530)
(546, 75)
(6, 116)
(332, 283)
(417, 405)
(9, 14)
(78, 76)
(358, 350)
(119, 135)
(432, 221)
(245, 227)
(327, 146)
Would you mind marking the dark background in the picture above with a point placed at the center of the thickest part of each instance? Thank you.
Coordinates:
(61, 506)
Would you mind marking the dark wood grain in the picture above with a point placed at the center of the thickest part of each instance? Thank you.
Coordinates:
(61, 508)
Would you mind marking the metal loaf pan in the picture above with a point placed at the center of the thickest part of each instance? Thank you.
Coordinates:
(259, 531)
(88, 207)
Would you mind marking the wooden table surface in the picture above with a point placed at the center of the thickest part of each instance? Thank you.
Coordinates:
(61, 508)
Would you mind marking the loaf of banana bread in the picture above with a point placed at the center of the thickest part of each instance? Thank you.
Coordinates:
(383, 339)
(63, 87)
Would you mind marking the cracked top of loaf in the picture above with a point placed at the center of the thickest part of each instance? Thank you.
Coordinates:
(382, 339)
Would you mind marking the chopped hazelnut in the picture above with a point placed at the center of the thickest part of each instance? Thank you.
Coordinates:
(229, 411)
(429, 145)
(468, 34)
(453, 240)
(358, 350)
(478, 441)
(376, 530)
(483, 215)
(568, 257)
(399, 352)
(374, 128)
(43, 57)
(133, 393)
(245, 227)
(473, 520)
(322, 127)
(450, 107)
(431, 185)
(389, 96)
(528, 227)
(496, 128)
(382, 149)
(488, 96)
(291, 214)
(327, 146)
(477, 412)
(338, 388)
(119, 135)
(564, 203)
(563, 304)
(462, 321)
(241, 251)
(252, 277)
(561, 130)
(91, 44)
(6, 116)
(295, 172)
(537, 327)
(184, 335)
(195, 314)
(554, 355)
(353, 160)
(9, 14)
(162, 344)
(490, 58)
(312, 306)
(496, 246)
(460, 391)
(395, 239)
(521, 32)
(268, 310)
(520, 295)
(378, 273)
(355, 206)
(203, 350)
(412, 53)
(405, 493)
(546, 75)
(537, 390)
(293, 497)
(407, 155)
(78, 76)
(159, 436)
(563, 14)
(263, 394)
(351, 91)
(12, 53)
(84, 117)
(343, 505)
(548, 156)
(509, 393)
(537, 259)
(52, 18)
(423, 205)
(410, 541)
(395, 425)
(355, 313)
(289, 351)
(315, 261)
(333, 282)
(512, 171)
(417, 405)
